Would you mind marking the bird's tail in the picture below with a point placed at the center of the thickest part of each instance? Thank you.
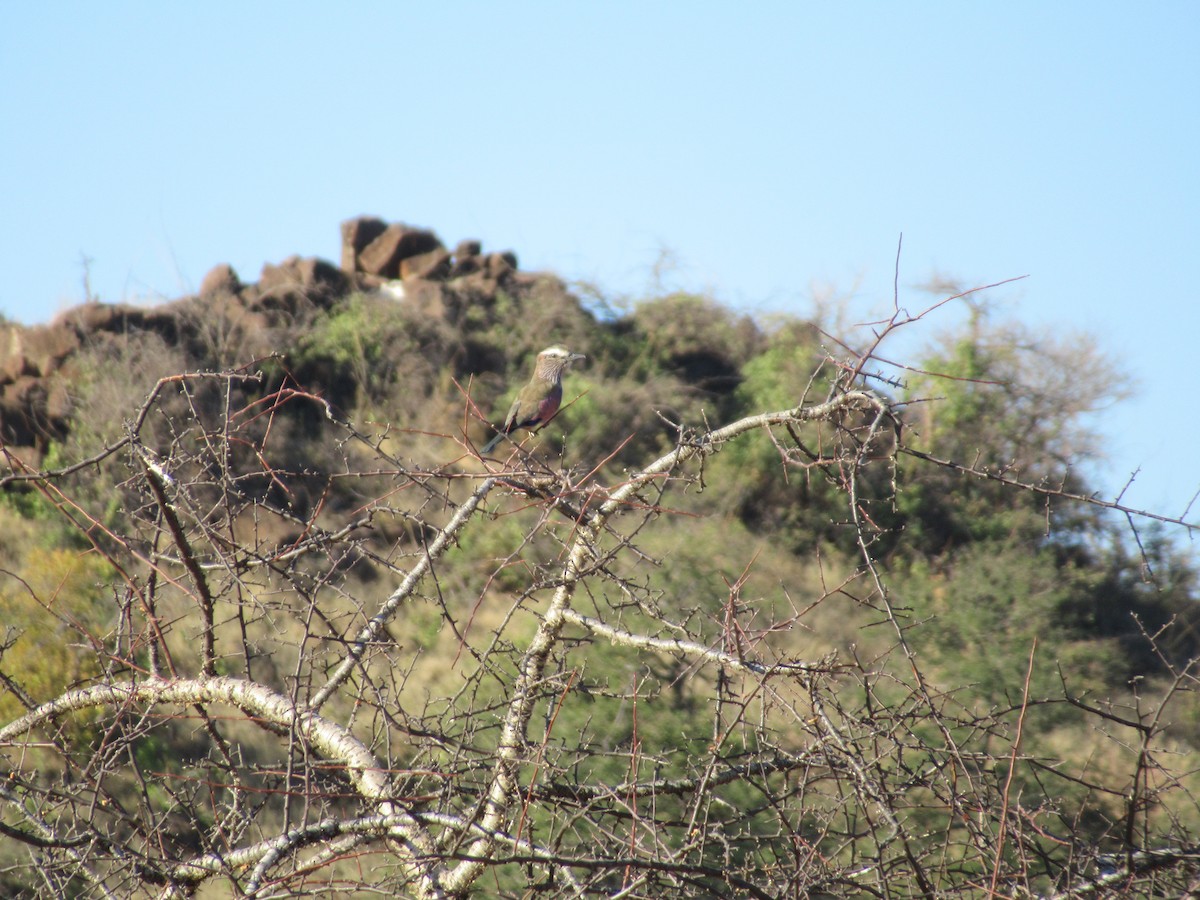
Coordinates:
(491, 445)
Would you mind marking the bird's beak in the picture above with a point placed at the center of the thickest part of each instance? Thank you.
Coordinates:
(575, 357)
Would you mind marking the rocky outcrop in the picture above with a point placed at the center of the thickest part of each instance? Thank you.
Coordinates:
(357, 235)
(34, 404)
(35, 351)
(220, 281)
(397, 243)
(298, 286)
(377, 250)
(411, 264)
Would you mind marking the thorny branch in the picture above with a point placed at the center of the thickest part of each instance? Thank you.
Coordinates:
(310, 733)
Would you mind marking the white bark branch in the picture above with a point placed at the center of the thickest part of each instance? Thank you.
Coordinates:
(330, 740)
(504, 790)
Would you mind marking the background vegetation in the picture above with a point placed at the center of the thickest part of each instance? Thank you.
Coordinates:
(885, 645)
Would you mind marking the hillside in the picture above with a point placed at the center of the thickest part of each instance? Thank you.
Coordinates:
(231, 322)
(757, 613)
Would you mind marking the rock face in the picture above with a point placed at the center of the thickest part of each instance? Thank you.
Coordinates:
(220, 280)
(35, 361)
(24, 413)
(373, 248)
(397, 243)
(357, 235)
(434, 265)
(28, 357)
(297, 283)
(35, 351)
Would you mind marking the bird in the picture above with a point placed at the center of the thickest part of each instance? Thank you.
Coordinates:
(539, 400)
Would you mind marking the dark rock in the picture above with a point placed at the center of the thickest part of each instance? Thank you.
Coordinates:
(284, 306)
(357, 234)
(94, 318)
(280, 275)
(320, 275)
(466, 259)
(467, 249)
(361, 281)
(497, 265)
(428, 297)
(221, 279)
(48, 345)
(36, 351)
(467, 266)
(434, 265)
(318, 281)
(59, 403)
(12, 354)
(398, 242)
(91, 317)
(23, 417)
(479, 287)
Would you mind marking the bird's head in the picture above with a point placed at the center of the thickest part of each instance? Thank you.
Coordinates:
(552, 361)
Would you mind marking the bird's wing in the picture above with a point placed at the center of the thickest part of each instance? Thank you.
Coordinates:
(511, 421)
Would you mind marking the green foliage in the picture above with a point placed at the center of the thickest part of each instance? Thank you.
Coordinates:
(786, 371)
(350, 336)
(353, 348)
(1145, 600)
(798, 502)
(28, 503)
(692, 338)
(56, 612)
(982, 614)
(1001, 400)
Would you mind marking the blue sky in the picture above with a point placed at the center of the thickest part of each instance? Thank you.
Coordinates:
(776, 150)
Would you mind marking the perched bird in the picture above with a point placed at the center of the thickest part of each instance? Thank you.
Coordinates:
(538, 401)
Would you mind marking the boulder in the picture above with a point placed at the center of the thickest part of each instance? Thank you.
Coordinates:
(357, 234)
(23, 419)
(12, 354)
(398, 242)
(467, 250)
(36, 351)
(220, 280)
(60, 402)
(498, 265)
(315, 279)
(467, 259)
(434, 265)
(48, 345)
(428, 298)
(91, 317)
(94, 318)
